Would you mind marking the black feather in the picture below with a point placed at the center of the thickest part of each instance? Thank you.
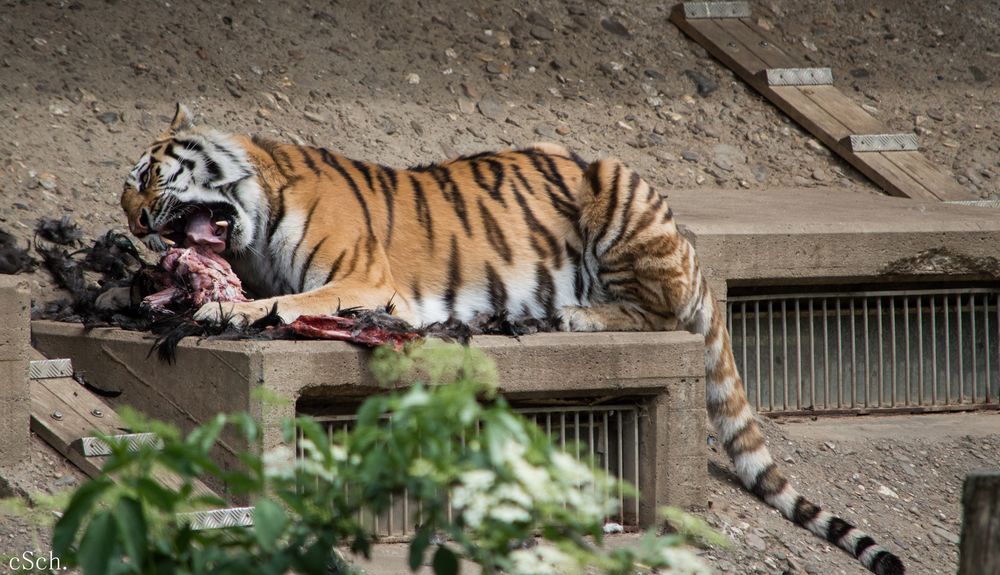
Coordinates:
(13, 258)
(63, 231)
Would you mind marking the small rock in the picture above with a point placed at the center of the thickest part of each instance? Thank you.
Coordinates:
(859, 73)
(978, 74)
(887, 492)
(947, 535)
(108, 118)
(615, 27)
(47, 181)
(691, 156)
(315, 117)
(937, 115)
(546, 131)
(727, 157)
(417, 128)
(413, 78)
(820, 176)
(764, 24)
(493, 109)
(760, 172)
(541, 33)
(703, 83)
(540, 20)
(755, 541)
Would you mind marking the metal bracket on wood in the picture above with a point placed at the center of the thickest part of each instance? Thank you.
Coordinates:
(219, 518)
(96, 447)
(693, 10)
(881, 142)
(50, 368)
(799, 76)
(978, 203)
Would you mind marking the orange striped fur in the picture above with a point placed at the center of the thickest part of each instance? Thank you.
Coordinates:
(532, 233)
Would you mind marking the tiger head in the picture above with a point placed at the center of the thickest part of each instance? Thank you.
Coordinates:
(193, 186)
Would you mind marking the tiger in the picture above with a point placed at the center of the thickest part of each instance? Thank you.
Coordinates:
(531, 233)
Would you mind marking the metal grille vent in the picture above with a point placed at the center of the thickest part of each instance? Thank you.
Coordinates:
(906, 350)
(608, 435)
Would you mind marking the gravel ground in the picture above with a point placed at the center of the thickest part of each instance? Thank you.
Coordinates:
(85, 85)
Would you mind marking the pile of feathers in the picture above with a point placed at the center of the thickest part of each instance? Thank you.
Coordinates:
(109, 284)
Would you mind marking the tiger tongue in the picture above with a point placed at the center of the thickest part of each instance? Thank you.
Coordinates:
(202, 232)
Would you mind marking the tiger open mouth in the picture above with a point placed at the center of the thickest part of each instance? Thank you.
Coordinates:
(205, 226)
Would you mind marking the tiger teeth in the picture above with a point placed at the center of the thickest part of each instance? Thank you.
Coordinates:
(169, 242)
(222, 224)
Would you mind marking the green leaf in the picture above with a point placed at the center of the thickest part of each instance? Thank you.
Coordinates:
(78, 508)
(130, 518)
(155, 494)
(445, 562)
(268, 523)
(98, 544)
(418, 546)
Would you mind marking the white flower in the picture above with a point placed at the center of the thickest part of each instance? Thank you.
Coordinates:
(416, 397)
(421, 468)
(507, 513)
(279, 463)
(571, 470)
(543, 560)
(513, 493)
(684, 562)
(478, 479)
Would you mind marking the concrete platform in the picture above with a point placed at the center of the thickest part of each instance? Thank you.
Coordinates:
(788, 236)
(662, 373)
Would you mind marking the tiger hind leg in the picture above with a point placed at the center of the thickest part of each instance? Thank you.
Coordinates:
(637, 256)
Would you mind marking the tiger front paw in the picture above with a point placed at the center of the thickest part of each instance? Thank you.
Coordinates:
(574, 318)
(237, 314)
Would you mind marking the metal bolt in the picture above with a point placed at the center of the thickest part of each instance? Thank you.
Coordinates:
(732, 44)
(57, 415)
(764, 43)
(97, 412)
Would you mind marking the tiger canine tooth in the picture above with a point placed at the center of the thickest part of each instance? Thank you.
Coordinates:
(222, 224)
(169, 242)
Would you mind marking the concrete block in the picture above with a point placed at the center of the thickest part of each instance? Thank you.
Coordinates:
(789, 236)
(14, 427)
(664, 372)
(15, 314)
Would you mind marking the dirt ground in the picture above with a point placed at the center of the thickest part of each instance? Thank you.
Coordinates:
(85, 85)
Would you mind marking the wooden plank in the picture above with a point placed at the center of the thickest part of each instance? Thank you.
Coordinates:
(824, 111)
(890, 177)
(979, 550)
(60, 433)
(76, 405)
(940, 184)
(752, 39)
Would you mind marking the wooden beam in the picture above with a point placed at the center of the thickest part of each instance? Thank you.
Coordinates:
(979, 550)
(825, 111)
(63, 412)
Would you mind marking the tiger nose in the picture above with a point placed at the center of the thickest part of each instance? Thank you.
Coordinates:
(140, 227)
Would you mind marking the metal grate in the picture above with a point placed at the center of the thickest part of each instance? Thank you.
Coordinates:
(865, 351)
(608, 435)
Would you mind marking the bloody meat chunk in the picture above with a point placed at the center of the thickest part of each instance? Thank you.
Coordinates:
(194, 278)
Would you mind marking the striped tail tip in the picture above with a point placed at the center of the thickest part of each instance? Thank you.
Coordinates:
(886, 563)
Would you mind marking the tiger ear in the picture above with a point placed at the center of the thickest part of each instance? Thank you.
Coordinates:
(182, 120)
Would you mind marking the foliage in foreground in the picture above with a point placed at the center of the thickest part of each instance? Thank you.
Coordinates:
(448, 433)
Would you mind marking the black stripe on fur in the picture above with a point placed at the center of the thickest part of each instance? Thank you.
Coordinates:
(836, 530)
